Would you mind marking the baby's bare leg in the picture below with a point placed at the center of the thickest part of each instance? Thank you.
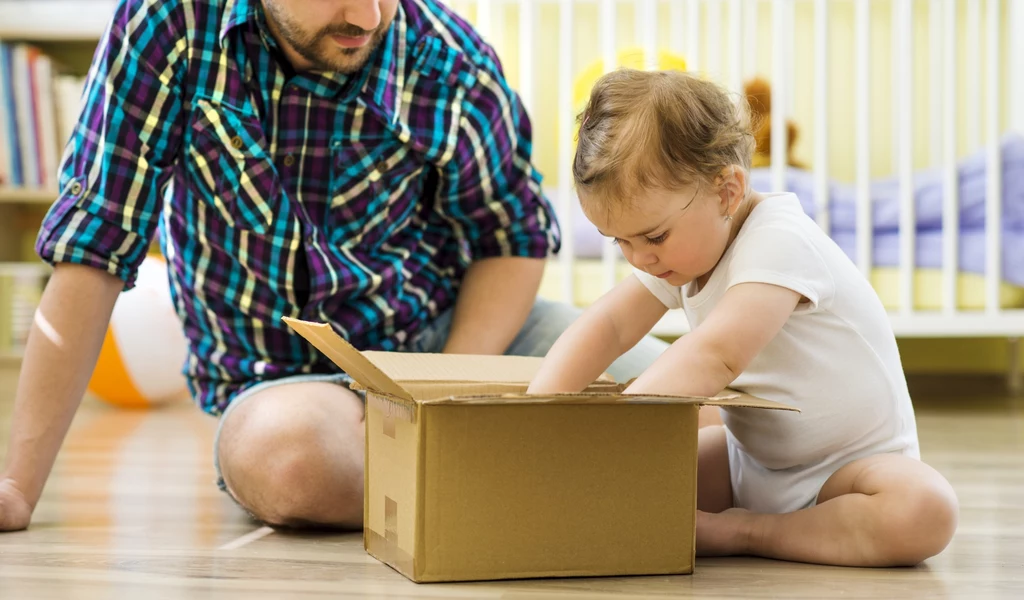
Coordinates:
(714, 487)
(880, 511)
(709, 417)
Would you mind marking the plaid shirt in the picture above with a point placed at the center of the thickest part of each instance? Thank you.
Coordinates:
(358, 200)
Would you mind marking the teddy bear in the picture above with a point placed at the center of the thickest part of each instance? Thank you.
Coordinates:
(759, 97)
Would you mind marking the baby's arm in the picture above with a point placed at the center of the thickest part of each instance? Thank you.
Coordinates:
(608, 329)
(705, 361)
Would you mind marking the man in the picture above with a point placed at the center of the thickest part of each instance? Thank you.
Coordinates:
(361, 162)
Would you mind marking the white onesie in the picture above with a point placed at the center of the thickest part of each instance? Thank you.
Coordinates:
(835, 359)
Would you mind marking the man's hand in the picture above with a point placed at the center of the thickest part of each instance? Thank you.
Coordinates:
(15, 511)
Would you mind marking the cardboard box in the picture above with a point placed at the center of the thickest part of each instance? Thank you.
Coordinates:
(468, 478)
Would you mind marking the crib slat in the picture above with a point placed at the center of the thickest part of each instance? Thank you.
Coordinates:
(750, 26)
(676, 20)
(566, 194)
(693, 29)
(736, 18)
(862, 124)
(609, 253)
(484, 18)
(972, 102)
(606, 20)
(950, 216)
(936, 68)
(821, 83)
(527, 25)
(903, 124)
(647, 31)
(993, 180)
(782, 26)
(1015, 90)
(714, 40)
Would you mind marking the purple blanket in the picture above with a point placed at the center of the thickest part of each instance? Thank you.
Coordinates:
(928, 198)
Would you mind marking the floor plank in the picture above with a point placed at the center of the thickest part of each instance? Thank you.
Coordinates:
(132, 511)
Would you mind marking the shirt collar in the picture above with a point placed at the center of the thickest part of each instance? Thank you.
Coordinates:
(385, 78)
(236, 12)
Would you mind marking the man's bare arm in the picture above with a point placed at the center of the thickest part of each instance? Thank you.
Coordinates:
(63, 347)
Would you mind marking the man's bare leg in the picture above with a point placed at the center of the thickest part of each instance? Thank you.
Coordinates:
(880, 511)
(292, 455)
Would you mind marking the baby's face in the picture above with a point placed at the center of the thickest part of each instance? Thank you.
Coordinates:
(677, 235)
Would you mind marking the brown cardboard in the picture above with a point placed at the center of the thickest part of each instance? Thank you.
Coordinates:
(469, 478)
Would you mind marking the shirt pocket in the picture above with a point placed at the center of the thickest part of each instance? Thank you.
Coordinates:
(230, 167)
(374, 189)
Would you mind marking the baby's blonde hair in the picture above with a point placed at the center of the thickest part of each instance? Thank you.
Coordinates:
(644, 130)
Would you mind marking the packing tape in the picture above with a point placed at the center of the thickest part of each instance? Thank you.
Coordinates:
(385, 547)
(390, 408)
(378, 547)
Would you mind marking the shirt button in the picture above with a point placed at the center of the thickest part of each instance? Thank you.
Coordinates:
(289, 160)
(76, 188)
(236, 143)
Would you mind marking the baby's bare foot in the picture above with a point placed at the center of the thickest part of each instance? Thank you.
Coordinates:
(723, 534)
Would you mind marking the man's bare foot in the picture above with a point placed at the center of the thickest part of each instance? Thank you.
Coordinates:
(723, 534)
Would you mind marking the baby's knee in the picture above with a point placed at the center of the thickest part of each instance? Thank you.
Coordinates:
(923, 524)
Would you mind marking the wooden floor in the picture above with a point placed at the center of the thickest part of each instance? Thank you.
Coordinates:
(132, 512)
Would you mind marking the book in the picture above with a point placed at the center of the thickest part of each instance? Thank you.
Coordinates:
(40, 104)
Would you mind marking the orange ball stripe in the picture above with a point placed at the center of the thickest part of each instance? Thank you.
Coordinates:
(110, 381)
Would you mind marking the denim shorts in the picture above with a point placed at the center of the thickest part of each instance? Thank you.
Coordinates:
(546, 322)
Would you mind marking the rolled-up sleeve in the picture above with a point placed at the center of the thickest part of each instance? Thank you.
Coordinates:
(490, 188)
(118, 161)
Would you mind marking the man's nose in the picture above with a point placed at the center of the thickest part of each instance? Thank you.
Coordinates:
(362, 13)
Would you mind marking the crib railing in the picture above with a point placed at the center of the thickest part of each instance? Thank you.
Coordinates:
(724, 40)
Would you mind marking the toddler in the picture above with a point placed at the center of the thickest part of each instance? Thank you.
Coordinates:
(776, 309)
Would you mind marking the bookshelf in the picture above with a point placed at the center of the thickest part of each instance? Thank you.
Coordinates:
(27, 196)
(65, 32)
(55, 20)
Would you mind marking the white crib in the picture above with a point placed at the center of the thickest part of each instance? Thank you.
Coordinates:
(953, 174)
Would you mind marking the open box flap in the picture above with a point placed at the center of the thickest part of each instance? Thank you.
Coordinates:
(424, 367)
(733, 399)
(386, 372)
(420, 367)
(729, 399)
(343, 354)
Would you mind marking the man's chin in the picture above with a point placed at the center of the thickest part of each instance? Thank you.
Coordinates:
(346, 60)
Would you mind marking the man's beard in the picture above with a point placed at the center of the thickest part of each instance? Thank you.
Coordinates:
(320, 50)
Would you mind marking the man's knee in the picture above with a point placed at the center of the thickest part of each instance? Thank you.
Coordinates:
(296, 460)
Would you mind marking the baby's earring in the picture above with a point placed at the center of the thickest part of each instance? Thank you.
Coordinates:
(728, 217)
